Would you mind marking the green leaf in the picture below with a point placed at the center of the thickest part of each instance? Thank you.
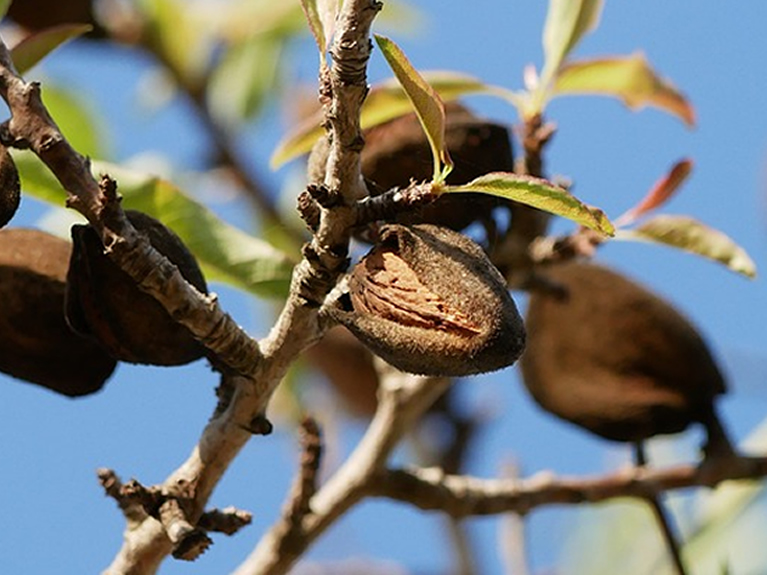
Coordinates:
(567, 21)
(629, 78)
(246, 76)
(385, 101)
(180, 34)
(427, 103)
(660, 193)
(321, 15)
(4, 5)
(312, 13)
(225, 253)
(540, 194)
(692, 236)
(27, 53)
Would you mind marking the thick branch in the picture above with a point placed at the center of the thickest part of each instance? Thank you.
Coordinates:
(462, 496)
(32, 127)
(298, 325)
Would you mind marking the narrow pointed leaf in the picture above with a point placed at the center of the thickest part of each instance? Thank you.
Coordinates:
(225, 253)
(629, 78)
(312, 13)
(692, 236)
(540, 194)
(32, 49)
(660, 193)
(384, 102)
(321, 15)
(427, 103)
(567, 21)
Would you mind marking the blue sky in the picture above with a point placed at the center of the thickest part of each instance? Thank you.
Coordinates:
(146, 420)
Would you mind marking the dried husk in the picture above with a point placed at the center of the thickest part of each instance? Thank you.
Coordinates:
(104, 303)
(397, 153)
(615, 359)
(428, 301)
(10, 187)
(37, 344)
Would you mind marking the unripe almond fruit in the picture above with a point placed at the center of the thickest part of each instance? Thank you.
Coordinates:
(428, 301)
(36, 342)
(104, 302)
(610, 356)
(10, 187)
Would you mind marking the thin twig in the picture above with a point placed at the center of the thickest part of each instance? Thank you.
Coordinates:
(463, 496)
(290, 530)
(512, 254)
(512, 539)
(661, 515)
(403, 398)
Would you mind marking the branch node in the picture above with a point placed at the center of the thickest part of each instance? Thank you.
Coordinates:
(227, 521)
(259, 425)
(326, 197)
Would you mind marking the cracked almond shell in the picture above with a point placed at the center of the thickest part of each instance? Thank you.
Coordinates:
(427, 300)
(104, 303)
(610, 356)
(37, 344)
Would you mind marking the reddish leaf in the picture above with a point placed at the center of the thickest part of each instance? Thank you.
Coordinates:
(663, 189)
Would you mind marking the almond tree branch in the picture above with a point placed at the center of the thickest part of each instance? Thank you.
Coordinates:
(32, 127)
(403, 398)
(253, 369)
(512, 256)
(463, 496)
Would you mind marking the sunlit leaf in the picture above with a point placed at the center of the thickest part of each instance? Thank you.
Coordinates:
(4, 4)
(384, 102)
(428, 106)
(659, 194)
(313, 18)
(567, 21)
(321, 15)
(692, 236)
(32, 49)
(540, 194)
(225, 253)
(179, 32)
(629, 78)
(245, 77)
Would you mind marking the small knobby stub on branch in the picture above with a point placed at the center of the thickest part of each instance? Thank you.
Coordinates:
(173, 511)
(227, 521)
